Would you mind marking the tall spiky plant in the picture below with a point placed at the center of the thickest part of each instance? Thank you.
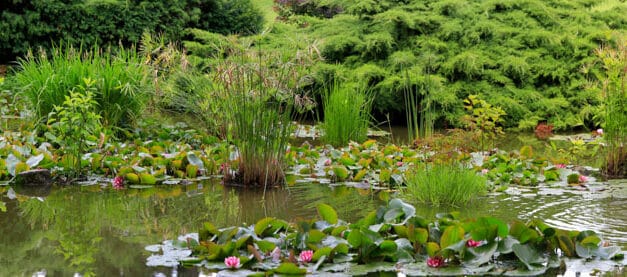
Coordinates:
(259, 92)
(418, 106)
(614, 61)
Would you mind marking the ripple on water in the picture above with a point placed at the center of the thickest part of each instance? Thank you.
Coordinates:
(603, 213)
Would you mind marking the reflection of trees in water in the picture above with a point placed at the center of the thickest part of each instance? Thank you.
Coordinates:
(104, 231)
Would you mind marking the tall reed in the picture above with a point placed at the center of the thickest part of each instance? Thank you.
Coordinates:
(614, 61)
(443, 184)
(418, 107)
(259, 93)
(346, 114)
(121, 86)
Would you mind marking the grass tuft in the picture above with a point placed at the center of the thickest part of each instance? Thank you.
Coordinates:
(346, 115)
(443, 184)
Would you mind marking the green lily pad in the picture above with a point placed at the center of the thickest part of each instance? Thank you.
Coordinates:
(327, 213)
(290, 269)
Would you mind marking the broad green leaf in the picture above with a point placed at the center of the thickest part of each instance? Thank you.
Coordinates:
(452, 234)
(341, 172)
(354, 238)
(591, 241)
(528, 255)
(327, 213)
(432, 248)
(147, 179)
(262, 225)
(315, 236)
(290, 269)
(388, 246)
(265, 246)
(322, 252)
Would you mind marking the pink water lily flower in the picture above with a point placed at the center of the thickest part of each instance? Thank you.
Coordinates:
(485, 171)
(327, 162)
(399, 164)
(306, 256)
(435, 261)
(232, 262)
(560, 166)
(600, 132)
(473, 243)
(583, 178)
(118, 182)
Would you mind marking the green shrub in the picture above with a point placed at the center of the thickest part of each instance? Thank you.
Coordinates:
(74, 123)
(28, 24)
(121, 87)
(346, 114)
(443, 184)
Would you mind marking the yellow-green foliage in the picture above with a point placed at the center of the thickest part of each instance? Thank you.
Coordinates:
(526, 53)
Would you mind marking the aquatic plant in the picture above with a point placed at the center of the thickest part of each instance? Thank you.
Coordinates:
(443, 184)
(394, 238)
(259, 92)
(120, 84)
(613, 78)
(346, 114)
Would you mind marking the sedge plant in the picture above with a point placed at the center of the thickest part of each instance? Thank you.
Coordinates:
(614, 62)
(446, 184)
(258, 89)
(346, 114)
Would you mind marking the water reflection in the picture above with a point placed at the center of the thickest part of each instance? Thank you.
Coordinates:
(91, 230)
(102, 232)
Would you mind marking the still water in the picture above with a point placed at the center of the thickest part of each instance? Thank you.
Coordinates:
(88, 229)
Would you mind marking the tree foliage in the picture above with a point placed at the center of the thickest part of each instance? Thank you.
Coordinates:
(28, 24)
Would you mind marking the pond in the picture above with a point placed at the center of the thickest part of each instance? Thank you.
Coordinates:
(89, 229)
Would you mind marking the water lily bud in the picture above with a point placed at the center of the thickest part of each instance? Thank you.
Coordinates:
(306, 256)
(232, 262)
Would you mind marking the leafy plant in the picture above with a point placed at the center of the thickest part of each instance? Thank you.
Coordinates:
(394, 238)
(346, 114)
(443, 184)
(484, 119)
(75, 126)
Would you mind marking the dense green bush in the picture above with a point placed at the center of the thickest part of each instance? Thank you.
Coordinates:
(121, 86)
(530, 57)
(26, 24)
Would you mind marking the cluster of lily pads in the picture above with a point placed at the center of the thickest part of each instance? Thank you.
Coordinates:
(393, 238)
(174, 154)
